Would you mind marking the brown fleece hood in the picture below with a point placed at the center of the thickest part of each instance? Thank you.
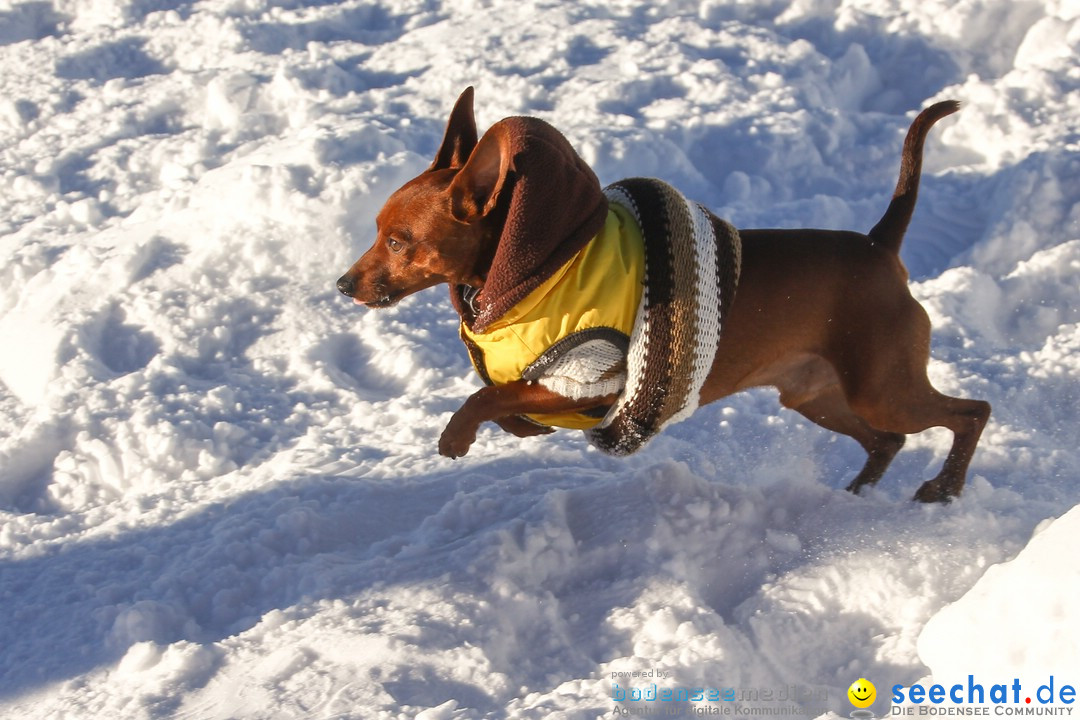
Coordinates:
(555, 207)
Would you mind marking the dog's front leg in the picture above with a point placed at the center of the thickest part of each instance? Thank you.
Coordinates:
(498, 402)
(522, 427)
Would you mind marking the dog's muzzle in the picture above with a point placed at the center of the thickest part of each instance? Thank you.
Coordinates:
(346, 285)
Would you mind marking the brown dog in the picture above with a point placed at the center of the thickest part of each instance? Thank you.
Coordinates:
(825, 316)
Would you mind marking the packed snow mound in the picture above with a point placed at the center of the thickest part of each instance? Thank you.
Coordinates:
(1028, 601)
(219, 489)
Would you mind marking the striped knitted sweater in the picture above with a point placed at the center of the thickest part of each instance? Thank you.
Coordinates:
(692, 263)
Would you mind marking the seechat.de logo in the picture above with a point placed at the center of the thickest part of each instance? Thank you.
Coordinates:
(862, 695)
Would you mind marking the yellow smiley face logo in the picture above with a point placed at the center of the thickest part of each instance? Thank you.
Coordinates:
(862, 693)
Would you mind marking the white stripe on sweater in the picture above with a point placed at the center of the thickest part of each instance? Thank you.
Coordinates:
(707, 300)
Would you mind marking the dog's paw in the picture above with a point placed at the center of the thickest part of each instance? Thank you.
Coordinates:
(454, 443)
(937, 491)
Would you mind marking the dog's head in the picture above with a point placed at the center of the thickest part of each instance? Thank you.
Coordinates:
(440, 226)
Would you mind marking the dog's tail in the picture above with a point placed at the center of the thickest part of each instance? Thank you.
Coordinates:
(889, 232)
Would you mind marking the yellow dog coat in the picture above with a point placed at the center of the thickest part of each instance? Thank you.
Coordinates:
(571, 332)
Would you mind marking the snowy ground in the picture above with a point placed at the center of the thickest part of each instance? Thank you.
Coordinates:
(219, 491)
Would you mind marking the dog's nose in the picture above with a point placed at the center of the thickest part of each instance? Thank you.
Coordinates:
(346, 285)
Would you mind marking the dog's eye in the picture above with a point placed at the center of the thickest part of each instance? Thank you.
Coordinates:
(394, 244)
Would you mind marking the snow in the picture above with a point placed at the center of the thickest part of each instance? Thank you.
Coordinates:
(219, 490)
(1050, 579)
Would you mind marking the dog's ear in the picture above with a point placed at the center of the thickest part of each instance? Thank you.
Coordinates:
(476, 188)
(460, 136)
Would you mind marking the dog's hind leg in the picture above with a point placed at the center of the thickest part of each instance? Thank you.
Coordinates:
(831, 411)
(966, 418)
(922, 408)
(892, 392)
(828, 408)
